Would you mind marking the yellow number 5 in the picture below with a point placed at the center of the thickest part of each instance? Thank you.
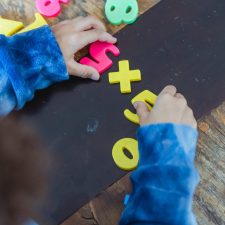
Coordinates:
(119, 156)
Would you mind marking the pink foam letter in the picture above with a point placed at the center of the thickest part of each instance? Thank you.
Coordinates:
(49, 8)
(98, 52)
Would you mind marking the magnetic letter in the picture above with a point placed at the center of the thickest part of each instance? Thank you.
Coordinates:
(9, 27)
(98, 52)
(124, 76)
(119, 156)
(121, 11)
(49, 8)
(145, 96)
(39, 22)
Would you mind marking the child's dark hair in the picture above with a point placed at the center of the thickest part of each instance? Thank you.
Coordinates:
(22, 172)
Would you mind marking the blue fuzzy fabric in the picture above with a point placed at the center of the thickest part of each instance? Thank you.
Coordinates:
(30, 222)
(28, 62)
(166, 178)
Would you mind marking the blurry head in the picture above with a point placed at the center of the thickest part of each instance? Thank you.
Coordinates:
(22, 172)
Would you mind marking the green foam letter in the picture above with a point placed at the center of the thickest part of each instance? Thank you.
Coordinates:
(121, 11)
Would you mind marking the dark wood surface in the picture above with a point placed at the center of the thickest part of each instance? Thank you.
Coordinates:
(106, 208)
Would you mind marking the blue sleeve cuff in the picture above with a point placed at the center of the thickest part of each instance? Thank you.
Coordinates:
(28, 62)
(166, 178)
(30, 222)
(167, 143)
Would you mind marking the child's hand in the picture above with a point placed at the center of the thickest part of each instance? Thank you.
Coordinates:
(170, 107)
(73, 35)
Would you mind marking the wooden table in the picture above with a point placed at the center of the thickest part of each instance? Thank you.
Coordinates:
(105, 209)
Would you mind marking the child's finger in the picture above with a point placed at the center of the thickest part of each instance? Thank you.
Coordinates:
(179, 95)
(188, 117)
(76, 69)
(170, 89)
(142, 110)
(181, 98)
(88, 37)
(86, 23)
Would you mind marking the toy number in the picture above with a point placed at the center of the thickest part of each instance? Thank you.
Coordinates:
(121, 159)
(98, 52)
(121, 11)
(39, 22)
(11, 27)
(145, 96)
(49, 8)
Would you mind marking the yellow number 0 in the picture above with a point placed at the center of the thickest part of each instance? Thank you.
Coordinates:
(119, 156)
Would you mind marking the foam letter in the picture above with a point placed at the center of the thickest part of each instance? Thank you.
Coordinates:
(98, 52)
(9, 27)
(121, 11)
(124, 76)
(39, 22)
(49, 8)
(119, 156)
(145, 96)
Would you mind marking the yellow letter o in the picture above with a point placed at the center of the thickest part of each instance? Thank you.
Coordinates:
(119, 156)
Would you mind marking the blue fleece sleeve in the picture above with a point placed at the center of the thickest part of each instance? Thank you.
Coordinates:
(166, 178)
(28, 62)
(30, 222)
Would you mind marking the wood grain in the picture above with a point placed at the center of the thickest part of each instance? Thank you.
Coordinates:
(105, 209)
(24, 10)
(209, 203)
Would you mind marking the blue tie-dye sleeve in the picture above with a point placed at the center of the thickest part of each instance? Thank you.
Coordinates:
(28, 62)
(30, 222)
(166, 178)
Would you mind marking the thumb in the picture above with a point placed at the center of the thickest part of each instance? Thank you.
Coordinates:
(79, 70)
(142, 110)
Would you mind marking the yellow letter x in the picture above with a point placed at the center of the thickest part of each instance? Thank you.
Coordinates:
(124, 76)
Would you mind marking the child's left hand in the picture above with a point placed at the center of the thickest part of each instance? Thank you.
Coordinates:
(73, 35)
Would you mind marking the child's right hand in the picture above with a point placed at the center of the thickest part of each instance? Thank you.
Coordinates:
(73, 35)
(170, 107)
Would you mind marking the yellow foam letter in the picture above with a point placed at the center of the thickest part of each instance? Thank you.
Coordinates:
(119, 156)
(124, 76)
(145, 96)
(9, 27)
(39, 22)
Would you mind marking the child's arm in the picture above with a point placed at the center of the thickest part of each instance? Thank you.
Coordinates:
(166, 178)
(36, 59)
